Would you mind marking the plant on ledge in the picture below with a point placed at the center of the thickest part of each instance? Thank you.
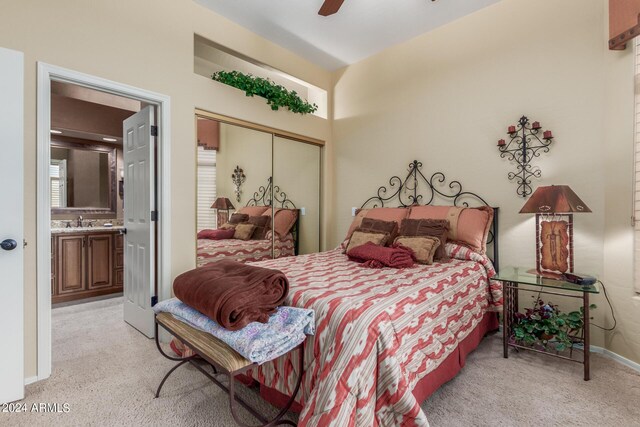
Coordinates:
(546, 327)
(276, 95)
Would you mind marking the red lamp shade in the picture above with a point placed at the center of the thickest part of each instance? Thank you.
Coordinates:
(222, 203)
(554, 199)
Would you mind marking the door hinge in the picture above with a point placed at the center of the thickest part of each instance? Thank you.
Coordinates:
(154, 130)
(154, 301)
(154, 215)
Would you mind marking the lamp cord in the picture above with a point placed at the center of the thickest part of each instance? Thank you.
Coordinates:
(615, 322)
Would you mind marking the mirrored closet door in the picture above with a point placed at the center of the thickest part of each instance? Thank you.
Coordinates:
(296, 172)
(258, 194)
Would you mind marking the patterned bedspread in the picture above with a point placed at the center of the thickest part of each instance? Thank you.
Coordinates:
(243, 250)
(378, 332)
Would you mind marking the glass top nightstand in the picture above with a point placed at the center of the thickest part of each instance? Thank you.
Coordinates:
(528, 276)
(515, 279)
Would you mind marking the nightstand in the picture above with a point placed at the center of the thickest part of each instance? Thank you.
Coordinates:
(515, 279)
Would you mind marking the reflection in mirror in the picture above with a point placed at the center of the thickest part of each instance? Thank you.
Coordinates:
(296, 170)
(234, 163)
(82, 178)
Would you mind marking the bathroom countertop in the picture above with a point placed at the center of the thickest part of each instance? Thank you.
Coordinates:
(96, 229)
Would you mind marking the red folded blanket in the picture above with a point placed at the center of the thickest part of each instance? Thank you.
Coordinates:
(231, 293)
(374, 256)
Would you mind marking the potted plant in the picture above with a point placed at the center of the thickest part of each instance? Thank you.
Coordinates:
(546, 328)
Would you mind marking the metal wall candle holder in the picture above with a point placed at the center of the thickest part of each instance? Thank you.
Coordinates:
(525, 143)
(238, 179)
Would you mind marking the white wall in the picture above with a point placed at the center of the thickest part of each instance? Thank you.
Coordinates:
(446, 97)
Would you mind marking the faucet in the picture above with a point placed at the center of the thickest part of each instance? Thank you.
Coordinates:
(79, 221)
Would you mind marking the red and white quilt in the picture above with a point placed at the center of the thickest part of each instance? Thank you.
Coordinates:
(378, 332)
(243, 250)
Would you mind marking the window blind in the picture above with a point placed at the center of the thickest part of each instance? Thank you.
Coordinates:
(206, 189)
(636, 183)
(58, 177)
(54, 173)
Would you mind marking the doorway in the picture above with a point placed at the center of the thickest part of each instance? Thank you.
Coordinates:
(145, 176)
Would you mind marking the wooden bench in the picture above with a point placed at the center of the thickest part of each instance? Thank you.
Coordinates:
(223, 359)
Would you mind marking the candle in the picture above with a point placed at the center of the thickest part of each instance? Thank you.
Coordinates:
(548, 134)
(502, 143)
(535, 125)
(512, 129)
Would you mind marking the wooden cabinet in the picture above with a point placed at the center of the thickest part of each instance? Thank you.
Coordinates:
(119, 260)
(100, 261)
(71, 264)
(85, 265)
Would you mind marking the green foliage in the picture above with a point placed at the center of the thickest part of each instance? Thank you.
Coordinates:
(277, 96)
(546, 327)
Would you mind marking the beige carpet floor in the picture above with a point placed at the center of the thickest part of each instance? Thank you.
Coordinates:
(107, 372)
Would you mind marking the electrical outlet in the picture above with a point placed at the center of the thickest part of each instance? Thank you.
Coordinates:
(353, 211)
(303, 211)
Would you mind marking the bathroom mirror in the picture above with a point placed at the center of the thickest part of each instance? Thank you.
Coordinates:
(83, 178)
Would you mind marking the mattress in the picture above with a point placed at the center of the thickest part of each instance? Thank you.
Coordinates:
(378, 333)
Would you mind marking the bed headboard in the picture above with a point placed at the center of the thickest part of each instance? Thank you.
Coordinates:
(267, 195)
(409, 192)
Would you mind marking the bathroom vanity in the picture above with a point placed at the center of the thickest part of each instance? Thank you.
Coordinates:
(86, 262)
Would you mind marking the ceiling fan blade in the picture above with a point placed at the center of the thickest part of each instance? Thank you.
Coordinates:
(329, 7)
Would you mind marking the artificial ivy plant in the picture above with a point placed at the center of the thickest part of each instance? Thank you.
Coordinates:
(276, 95)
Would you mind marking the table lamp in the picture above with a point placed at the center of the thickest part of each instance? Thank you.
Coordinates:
(554, 206)
(223, 205)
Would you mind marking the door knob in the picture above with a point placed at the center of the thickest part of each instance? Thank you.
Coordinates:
(8, 244)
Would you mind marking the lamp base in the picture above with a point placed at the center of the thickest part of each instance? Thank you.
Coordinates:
(554, 244)
(222, 217)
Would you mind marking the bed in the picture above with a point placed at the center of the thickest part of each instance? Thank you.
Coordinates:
(386, 338)
(283, 245)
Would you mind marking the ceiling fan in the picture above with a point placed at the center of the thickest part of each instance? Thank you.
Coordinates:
(329, 7)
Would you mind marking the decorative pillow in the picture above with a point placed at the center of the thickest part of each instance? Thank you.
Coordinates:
(385, 214)
(238, 218)
(438, 228)
(219, 234)
(424, 247)
(370, 224)
(227, 226)
(244, 231)
(469, 226)
(361, 237)
(284, 220)
(254, 210)
(262, 224)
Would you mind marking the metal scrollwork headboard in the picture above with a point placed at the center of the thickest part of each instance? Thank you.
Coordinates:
(406, 192)
(267, 195)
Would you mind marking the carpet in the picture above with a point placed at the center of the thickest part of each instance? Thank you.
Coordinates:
(108, 372)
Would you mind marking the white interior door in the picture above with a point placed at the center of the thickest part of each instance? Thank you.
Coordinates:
(11, 225)
(139, 202)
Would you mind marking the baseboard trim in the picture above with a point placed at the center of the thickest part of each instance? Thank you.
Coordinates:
(30, 380)
(615, 356)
